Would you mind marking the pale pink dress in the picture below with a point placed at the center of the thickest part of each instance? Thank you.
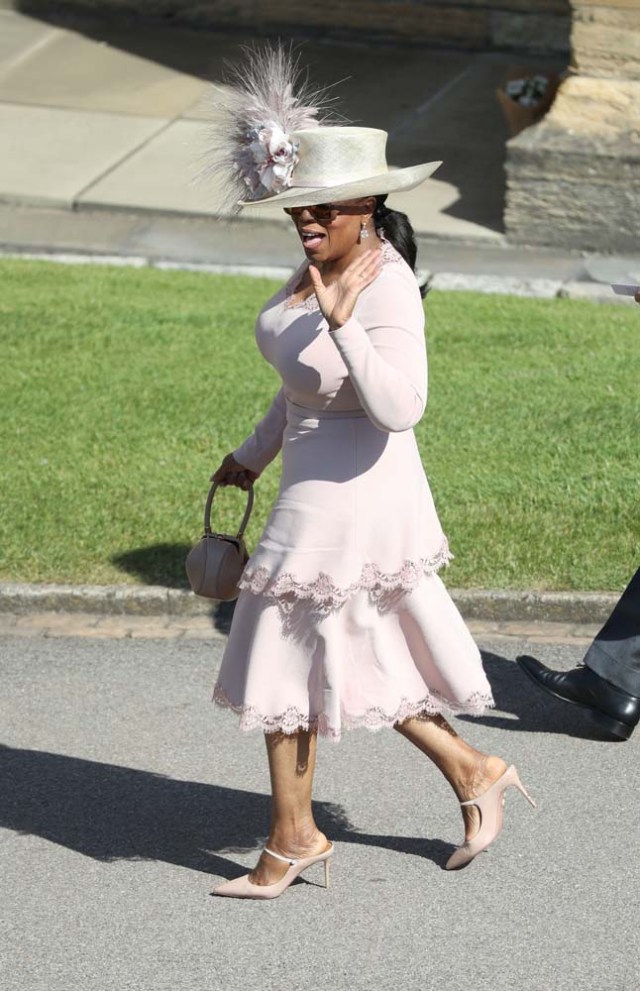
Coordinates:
(342, 620)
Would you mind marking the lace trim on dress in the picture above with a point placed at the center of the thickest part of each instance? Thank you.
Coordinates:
(389, 256)
(326, 595)
(292, 720)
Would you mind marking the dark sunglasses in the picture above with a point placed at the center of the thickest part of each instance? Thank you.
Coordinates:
(324, 213)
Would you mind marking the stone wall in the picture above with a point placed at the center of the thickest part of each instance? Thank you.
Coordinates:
(526, 25)
(573, 180)
(606, 38)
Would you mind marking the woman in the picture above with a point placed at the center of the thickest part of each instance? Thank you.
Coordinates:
(342, 620)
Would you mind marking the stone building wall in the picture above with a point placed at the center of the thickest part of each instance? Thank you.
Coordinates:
(574, 178)
(527, 25)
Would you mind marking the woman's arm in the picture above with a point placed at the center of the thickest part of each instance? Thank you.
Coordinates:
(388, 369)
(385, 353)
(262, 446)
(383, 348)
(242, 466)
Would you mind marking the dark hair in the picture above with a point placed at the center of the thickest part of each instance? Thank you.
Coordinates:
(397, 230)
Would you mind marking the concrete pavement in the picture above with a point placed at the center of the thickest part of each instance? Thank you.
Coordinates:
(168, 627)
(106, 115)
(126, 797)
(104, 124)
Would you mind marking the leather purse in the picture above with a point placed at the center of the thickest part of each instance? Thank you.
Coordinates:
(215, 565)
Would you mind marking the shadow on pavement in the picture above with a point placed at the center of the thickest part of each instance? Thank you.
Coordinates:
(109, 812)
(534, 709)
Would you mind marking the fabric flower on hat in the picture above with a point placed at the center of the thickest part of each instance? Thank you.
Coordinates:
(266, 99)
(275, 157)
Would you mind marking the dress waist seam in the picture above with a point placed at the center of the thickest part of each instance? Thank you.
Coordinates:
(311, 413)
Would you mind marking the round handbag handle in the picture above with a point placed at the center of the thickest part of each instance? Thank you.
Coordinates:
(209, 503)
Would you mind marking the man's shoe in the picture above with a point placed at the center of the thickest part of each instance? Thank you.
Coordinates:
(613, 711)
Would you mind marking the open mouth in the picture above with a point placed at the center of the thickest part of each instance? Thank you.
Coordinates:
(312, 239)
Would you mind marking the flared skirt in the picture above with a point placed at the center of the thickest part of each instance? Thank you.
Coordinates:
(342, 620)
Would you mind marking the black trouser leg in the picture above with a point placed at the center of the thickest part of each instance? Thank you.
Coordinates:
(615, 652)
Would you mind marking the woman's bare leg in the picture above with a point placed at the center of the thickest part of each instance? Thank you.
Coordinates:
(469, 771)
(293, 831)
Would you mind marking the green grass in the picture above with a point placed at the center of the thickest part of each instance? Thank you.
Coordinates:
(122, 389)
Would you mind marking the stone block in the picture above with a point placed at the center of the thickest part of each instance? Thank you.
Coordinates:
(605, 38)
(573, 180)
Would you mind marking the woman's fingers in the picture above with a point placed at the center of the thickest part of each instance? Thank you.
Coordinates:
(368, 259)
(338, 299)
(316, 279)
(231, 472)
(238, 479)
(364, 269)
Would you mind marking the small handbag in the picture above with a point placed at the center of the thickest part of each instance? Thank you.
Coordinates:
(215, 565)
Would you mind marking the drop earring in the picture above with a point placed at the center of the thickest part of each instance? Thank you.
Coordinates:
(363, 230)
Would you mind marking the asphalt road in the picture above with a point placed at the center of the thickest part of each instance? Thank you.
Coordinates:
(125, 796)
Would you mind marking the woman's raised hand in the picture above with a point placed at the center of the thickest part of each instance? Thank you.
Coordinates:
(337, 300)
(231, 472)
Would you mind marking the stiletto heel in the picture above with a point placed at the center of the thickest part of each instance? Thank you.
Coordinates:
(523, 791)
(242, 887)
(490, 805)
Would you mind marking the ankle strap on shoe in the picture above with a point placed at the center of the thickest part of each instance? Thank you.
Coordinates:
(278, 856)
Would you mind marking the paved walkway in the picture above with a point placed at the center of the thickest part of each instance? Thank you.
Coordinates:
(103, 127)
(114, 117)
(126, 797)
(167, 627)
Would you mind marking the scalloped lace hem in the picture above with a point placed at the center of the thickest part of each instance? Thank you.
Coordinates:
(292, 720)
(325, 594)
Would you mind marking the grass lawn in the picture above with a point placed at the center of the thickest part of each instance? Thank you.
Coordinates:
(122, 389)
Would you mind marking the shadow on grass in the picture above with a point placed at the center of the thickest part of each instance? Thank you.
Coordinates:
(158, 564)
(110, 813)
(163, 564)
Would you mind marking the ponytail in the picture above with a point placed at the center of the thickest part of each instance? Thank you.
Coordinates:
(397, 229)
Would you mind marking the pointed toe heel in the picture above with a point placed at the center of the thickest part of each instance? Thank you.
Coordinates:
(242, 887)
(490, 805)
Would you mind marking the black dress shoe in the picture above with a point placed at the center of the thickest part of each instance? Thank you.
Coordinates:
(613, 711)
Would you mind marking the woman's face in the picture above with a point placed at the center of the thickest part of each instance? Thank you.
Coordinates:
(331, 231)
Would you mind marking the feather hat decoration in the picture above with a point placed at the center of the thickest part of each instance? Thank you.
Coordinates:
(250, 145)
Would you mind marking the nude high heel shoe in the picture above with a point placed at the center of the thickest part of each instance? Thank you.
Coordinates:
(242, 887)
(491, 808)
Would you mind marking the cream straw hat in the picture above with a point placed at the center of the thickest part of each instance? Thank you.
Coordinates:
(341, 163)
(273, 141)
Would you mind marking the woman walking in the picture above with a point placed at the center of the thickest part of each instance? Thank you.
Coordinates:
(342, 620)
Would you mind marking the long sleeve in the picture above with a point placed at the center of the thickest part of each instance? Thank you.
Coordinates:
(385, 354)
(262, 446)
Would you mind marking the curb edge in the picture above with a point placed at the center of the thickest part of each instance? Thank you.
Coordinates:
(157, 600)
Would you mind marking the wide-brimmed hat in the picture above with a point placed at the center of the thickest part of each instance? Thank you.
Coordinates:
(276, 141)
(339, 163)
